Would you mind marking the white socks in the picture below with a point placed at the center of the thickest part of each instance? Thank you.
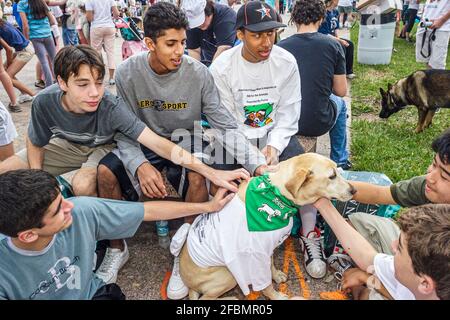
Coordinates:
(308, 215)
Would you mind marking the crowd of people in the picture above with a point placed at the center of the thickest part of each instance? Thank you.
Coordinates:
(215, 98)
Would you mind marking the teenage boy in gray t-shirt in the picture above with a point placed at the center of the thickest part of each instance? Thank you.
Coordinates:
(73, 125)
(48, 251)
(169, 92)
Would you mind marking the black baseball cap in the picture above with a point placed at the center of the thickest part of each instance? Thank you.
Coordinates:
(257, 16)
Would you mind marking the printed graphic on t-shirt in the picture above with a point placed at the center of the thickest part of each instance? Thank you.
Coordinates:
(64, 273)
(161, 105)
(258, 115)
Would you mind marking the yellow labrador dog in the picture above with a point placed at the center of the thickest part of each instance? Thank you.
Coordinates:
(220, 252)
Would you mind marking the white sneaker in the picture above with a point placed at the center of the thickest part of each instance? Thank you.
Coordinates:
(112, 262)
(315, 263)
(24, 98)
(176, 289)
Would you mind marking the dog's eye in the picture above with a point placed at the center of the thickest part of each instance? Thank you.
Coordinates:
(333, 177)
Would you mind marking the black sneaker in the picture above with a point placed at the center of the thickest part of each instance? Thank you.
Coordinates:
(14, 108)
(315, 263)
(40, 84)
(345, 166)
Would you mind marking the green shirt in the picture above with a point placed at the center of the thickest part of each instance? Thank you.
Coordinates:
(410, 193)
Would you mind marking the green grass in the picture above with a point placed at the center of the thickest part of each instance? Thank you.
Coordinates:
(390, 146)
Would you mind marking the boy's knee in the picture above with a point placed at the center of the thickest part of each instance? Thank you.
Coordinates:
(84, 183)
(196, 180)
(105, 175)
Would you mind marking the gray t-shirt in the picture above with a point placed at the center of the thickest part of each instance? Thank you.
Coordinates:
(49, 119)
(175, 101)
(63, 270)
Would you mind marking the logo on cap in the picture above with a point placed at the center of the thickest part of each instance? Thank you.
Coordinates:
(265, 12)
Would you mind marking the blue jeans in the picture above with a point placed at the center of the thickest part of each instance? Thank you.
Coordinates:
(70, 37)
(338, 134)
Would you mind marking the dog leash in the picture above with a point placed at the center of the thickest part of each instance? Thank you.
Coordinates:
(432, 38)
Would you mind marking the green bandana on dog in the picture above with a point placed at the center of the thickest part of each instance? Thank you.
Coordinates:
(267, 209)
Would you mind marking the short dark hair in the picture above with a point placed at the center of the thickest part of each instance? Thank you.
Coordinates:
(25, 196)
(308, 11)
(209, 8)
(427, 231)
(69, 60)
(441, 145)
(163, 16)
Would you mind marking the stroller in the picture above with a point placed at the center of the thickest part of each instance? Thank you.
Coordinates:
(133, 37)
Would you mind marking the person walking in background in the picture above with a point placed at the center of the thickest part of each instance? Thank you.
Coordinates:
(83, 27)
(103, 30)
(345, 9)
(16, 14)
(410, 18)
(69, 21)
(37, 19)
(19, 51)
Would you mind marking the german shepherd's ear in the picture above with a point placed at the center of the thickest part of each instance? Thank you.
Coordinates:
(383, 93)
(389, 87)
(295, 183)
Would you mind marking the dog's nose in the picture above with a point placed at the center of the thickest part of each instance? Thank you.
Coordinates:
(352, 190)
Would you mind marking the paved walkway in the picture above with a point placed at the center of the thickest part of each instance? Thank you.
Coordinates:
(146, 274)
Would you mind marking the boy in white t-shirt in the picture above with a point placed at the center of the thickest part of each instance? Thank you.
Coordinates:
(260, 84)
(420, 266)
(432, 41)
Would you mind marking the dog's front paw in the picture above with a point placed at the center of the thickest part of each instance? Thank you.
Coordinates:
(279, 276)
(281, 296)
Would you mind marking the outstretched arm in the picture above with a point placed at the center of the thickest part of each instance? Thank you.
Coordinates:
(167, 210)
(354, 243)
(371, 193)
(168, 150)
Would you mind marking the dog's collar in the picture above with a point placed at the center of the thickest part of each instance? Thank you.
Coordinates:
(266, 208)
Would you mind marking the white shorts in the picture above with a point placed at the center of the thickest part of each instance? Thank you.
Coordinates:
(439, 47)
(7, 129)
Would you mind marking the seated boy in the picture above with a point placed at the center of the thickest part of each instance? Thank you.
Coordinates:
(419, 268)
(260, 84)
(48, 251)
(73, 124)
(169, 92)
(430, 188)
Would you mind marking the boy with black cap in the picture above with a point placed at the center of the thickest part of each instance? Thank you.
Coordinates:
(260, 84)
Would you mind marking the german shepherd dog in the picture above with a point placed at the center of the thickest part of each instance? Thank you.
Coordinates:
(428, 90)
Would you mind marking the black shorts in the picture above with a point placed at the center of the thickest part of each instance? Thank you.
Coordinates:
(176, 174)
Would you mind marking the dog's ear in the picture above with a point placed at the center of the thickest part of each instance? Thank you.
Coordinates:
(389, 87)
(382, 92)
(295, 183)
